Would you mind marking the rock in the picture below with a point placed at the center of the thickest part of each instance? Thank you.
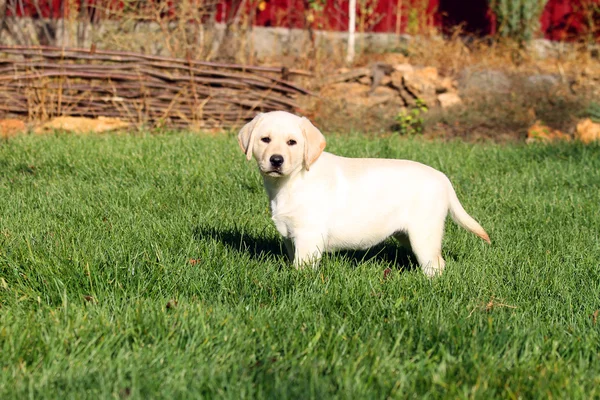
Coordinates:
(446, 84)
(345, 90)
(428, 73)
(542, 133)
(11, 127)
(82, 125)
(397, 78)
(448, 100)
(379, 71)
(486, 81)
(383, 91)
(543, 48)
(404, 68)
(386, 80)
(358, 94)
(393, 58)
(421, 83)
(542, 81)
(402, 83)
(423, 80)
(382, 95)
(365, 80)
(587, 131)
(347, 76)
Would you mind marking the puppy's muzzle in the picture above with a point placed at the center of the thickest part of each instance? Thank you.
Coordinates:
(276, 160)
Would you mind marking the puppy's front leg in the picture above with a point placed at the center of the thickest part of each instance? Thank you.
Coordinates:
(308, 251)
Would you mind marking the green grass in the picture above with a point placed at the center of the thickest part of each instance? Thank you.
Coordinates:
(147, 267)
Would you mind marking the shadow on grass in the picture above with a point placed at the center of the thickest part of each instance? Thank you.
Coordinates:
(259, 248)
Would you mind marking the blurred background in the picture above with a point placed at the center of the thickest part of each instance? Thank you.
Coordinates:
(367, 65)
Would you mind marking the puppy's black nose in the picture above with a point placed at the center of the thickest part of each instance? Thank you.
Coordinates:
(276, 160)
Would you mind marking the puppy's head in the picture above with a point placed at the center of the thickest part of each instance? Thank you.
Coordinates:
(281, 143)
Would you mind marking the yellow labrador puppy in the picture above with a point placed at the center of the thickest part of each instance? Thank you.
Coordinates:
(322, 202)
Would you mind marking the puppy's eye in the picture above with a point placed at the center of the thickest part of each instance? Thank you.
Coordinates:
(291, 142)
(266, 139)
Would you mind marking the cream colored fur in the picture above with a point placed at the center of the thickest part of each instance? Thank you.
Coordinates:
(322, 202)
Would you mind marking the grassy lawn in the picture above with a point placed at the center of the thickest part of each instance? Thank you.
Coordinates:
(147, 267)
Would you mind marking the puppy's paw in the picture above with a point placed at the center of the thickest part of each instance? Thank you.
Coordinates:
(306, 264)
(432, 272)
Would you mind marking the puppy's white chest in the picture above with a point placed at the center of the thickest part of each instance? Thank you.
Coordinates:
(288, 215)
(285, 221)
(283, 226)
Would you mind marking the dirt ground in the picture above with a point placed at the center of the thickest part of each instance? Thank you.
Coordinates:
(499, 116)
(502, 91)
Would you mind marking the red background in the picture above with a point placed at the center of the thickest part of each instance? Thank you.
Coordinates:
(561, 19)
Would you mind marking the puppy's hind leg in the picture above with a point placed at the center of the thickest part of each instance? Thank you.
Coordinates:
(289, 248)
(426, 244)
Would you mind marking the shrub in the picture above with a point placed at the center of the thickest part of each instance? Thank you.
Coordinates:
(518, 19)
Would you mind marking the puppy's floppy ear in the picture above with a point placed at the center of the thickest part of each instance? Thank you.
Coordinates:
(314, 142)
(246, 136)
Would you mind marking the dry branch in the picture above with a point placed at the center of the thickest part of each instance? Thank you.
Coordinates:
(42, 82)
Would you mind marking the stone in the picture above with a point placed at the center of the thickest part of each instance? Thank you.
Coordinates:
(11, 127)
(587, 131)
(543, 48)
(542, 81)
(393, 58)
(427, 73)
(357, 94)
(445, 84)
(539, 132)
(386, 80)
(485, 81)
(365, 80)
(448, 100)
(345, 90)
(421, 82)
(82, 125)
(404, 68)
(397, 78)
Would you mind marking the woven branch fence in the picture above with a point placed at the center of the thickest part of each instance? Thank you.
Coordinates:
(149, 91)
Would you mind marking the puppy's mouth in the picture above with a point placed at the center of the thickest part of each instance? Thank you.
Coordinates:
(274, 172)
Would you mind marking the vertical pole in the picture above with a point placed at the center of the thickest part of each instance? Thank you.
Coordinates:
(351, 30)
(399, 17)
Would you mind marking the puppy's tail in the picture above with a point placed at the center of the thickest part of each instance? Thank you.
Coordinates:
(460, 216)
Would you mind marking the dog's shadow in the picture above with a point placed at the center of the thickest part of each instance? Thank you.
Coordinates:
(389, 253)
